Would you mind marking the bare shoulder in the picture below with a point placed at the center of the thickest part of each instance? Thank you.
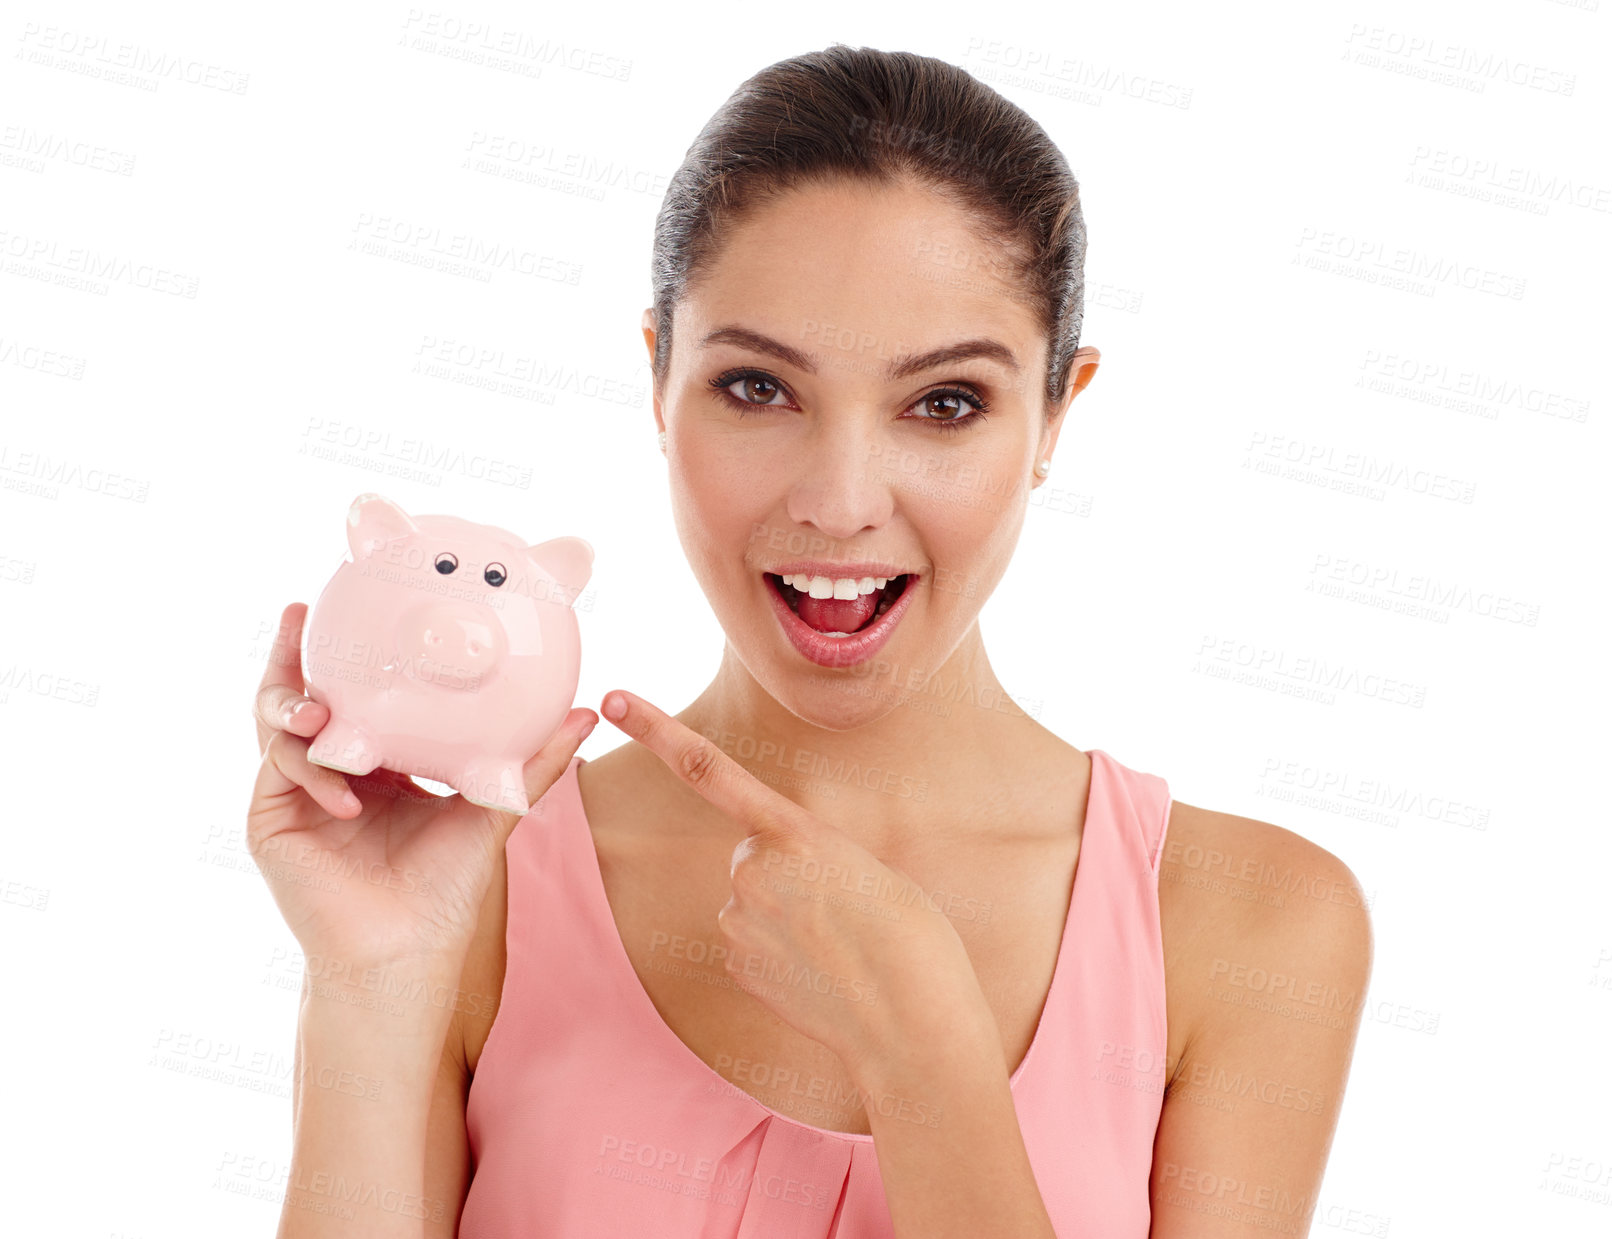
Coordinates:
(1250, 905)
(629, 795)
(1268, 951)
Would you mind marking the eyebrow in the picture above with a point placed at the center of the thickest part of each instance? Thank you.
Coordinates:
(900, 368)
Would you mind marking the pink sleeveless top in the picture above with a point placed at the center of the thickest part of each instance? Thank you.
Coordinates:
(588, 1118)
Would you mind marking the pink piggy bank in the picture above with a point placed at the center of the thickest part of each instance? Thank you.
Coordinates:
(444, 649)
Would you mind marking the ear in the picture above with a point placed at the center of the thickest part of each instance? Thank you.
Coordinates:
(568, 560)
(1083, 368)
(373, 521)
(647, 322)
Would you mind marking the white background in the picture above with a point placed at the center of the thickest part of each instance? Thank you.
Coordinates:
(1319, 545)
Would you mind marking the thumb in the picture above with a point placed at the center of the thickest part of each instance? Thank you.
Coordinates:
(545, 768)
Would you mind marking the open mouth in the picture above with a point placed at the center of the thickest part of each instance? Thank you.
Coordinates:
(823, 614)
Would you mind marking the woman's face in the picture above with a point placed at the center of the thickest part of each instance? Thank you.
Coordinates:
(812, 453)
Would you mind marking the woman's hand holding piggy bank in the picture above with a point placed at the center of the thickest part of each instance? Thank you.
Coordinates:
(444, 649)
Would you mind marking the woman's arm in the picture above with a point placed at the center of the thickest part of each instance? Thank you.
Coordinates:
(1275, 991)
(951, 1154)
(905, 1014)
(369, 1087)
(1276, 988)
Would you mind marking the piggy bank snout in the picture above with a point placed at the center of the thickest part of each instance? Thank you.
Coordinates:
(449, 641)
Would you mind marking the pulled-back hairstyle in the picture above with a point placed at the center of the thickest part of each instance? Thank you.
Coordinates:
(881, 117)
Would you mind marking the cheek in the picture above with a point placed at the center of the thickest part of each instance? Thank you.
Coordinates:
(969, 532)
(977, 477)
(716, 517)
(962, 504)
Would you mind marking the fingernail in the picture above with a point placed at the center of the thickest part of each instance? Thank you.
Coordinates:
(350, 801)
(587, 729)
(615, 707)
(297, 709)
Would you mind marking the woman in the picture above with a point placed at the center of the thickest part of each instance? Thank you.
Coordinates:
(811, 958)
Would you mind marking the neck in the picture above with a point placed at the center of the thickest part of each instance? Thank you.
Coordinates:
(928, 751)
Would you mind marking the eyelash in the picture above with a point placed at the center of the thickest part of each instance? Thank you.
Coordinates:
(948, 425)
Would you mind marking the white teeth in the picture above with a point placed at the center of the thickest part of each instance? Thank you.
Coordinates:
(836, 587)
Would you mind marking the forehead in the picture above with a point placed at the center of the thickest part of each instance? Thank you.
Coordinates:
(861, 267)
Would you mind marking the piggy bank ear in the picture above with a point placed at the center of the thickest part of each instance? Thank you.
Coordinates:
(373, 521)
(568, 560)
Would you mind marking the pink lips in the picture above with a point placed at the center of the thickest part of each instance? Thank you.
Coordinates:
(839, 651)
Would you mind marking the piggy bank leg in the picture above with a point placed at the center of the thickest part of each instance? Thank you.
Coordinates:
(342, 746)
(495, 786)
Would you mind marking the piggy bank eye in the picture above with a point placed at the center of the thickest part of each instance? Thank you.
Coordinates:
(494, 575)
(447, 562)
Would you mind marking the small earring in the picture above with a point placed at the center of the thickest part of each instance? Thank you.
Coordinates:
(662, 438)
(1044, 468)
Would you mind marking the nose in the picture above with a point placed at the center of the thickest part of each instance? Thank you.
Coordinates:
(836, 489)
(446, 642)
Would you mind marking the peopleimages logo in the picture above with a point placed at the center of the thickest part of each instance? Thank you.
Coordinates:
(431, 30)
(88, 269)
(32, 149)
(117, 60)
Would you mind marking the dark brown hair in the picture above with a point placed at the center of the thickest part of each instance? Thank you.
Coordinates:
(882, 117)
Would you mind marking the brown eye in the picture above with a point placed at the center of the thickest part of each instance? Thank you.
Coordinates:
(933, 403)
(750, 383)
(766, 388)
(446, 562)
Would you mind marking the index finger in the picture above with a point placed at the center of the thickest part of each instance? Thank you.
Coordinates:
(702, 765)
